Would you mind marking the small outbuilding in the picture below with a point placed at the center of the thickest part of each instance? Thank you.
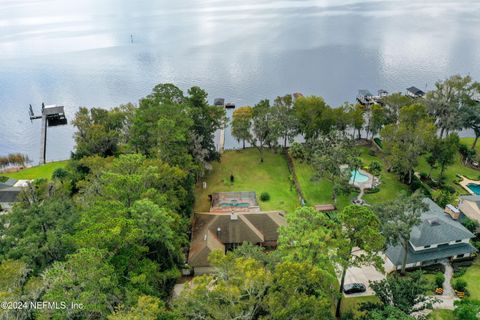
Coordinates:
(414, 92)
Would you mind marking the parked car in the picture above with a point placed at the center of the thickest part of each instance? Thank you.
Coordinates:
(354, 288)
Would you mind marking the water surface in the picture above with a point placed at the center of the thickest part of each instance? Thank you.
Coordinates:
(80, 53)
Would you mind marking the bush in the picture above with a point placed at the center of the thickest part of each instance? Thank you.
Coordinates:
(372, 153)
(264, 196)
(372, 190)
(297, 151)
(378, 142)
(443, 197)
(375, 168)
(459, 272)
(470, 224)
(460, 285)
(416, 184)
(439, 279)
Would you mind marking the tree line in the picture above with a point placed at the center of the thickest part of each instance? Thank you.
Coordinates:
(409, 128)
(14, 159)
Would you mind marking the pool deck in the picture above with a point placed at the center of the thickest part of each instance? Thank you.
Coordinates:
(366, 184)
(465, 182)
(363, 185)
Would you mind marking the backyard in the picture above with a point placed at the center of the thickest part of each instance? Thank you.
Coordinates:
(43, 171)
(451, 172)
(250, 174)
(320, 191)
(390, 185)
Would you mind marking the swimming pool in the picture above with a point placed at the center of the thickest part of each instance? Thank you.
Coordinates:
(357, 176)
(474, 187)
(235, 204)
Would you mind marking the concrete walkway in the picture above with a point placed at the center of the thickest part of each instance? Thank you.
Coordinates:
(449, 296)
(446, 301)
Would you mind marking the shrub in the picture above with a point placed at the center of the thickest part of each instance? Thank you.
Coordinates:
(297, 151)
(459, 272)
(372, 153)
(375, 168)
(460, 285)
(439, 279)
(423, 175)
(443, 197)
(470, 224)
(378, 141)
(264, 196)
(466, 152)
(372, 190)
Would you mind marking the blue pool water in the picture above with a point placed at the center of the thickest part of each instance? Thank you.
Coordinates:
(474, 187)
(358, 177)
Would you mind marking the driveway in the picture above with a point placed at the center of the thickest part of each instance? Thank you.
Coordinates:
(366, 274)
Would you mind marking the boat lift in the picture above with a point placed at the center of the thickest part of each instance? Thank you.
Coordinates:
(51, 116)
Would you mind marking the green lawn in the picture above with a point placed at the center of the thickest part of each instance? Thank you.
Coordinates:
(472, 277)
(354, 303)
(37, 172)
(441, 315)
(317, 192)
(453, 170)
(271, 176)
(390, 186)
(469, 142)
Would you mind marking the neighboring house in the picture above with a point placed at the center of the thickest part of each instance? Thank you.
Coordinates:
(437, 237)
(9, 191)
(234, 218)
(470, 207)
(414, 92)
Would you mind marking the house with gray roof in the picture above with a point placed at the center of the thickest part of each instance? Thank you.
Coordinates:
(414, 92)
(234, 218)
(437, 237)
(10, 191)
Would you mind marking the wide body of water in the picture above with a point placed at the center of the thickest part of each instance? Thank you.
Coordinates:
(79, 53)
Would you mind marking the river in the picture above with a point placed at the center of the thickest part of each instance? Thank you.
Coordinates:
(104, 53)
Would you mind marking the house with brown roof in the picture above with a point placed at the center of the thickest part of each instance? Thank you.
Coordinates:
(229, 224)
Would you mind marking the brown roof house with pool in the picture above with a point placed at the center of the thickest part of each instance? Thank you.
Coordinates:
(234, 218)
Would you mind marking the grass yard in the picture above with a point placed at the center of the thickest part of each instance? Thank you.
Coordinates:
(469, 142)
(441, 314)
(453, 170)
(354, 303)
(271, 176)
(44, 171)
(318, 192)
(472, 277)
(450, 172)
(390, 186)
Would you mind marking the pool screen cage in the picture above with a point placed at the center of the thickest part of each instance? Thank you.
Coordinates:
(222, 199)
